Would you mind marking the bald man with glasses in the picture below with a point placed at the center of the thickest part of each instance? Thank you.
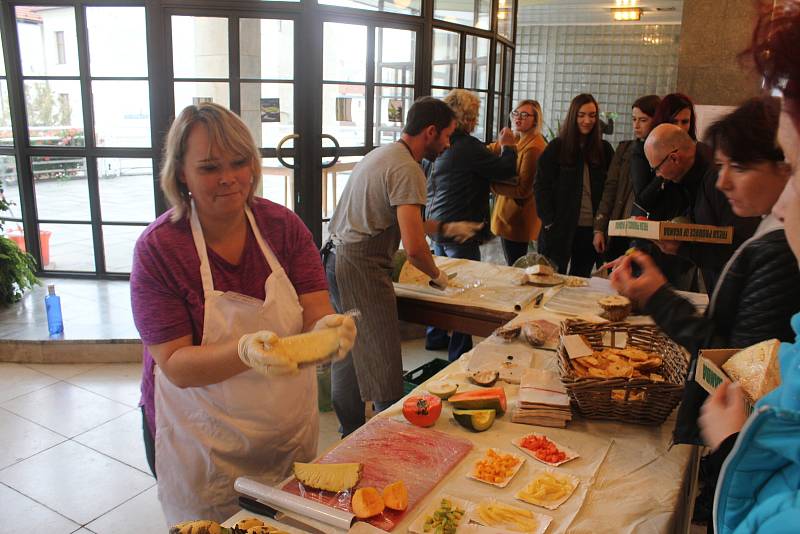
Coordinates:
(684, 186)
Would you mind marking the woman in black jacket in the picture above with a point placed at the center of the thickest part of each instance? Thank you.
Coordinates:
(759, 289)
(568, 186)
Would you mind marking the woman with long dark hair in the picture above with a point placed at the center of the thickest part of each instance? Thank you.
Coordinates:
(677, 109)
(568, 186)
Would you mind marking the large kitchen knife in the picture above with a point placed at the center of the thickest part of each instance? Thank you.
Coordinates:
(252, 505)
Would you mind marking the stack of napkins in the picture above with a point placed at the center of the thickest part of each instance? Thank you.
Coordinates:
(542, 400)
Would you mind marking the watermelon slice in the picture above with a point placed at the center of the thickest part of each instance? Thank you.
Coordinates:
(480, 399)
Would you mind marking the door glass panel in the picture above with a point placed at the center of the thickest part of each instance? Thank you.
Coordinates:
(193, 93)
(445, 58)
(344, 113)
(266, 49)
(395, 52)
(48, 42)
(119, 242)
(55, 112)
(498, 68)
(277, 181)
(8, 175)
(6, 133)
(62, 190)
(333, 181)
(507, 72)
(391, 107)
(439, 93)
(505, 18)
(67, 247)
(407, 7)
(117, 49)
(199, 47)
(344, 52)
(476, 63)
(2, 63)
(268, 109)
(475, 13)
(480, 128)
(499, 122)
(121, 113)
(126, 189)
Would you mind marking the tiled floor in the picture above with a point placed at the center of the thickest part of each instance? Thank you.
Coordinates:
(71, 456)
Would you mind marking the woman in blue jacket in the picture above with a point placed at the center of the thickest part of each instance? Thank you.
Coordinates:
(759, 485)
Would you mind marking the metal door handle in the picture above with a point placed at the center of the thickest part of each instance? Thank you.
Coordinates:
(332, 162)
(280, 145)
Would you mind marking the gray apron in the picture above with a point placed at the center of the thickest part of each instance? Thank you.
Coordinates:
(364, 277)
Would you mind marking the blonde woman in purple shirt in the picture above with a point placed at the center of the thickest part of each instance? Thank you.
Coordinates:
(215, 280)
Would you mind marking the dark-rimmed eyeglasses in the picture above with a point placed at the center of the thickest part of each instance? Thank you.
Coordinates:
(663, 161)
(520, 114)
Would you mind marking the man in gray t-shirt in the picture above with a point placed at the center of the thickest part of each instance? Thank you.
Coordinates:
(380, 207)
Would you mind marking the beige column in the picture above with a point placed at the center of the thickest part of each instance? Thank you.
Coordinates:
(713, 32)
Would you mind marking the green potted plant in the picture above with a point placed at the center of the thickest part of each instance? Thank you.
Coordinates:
(17, 268)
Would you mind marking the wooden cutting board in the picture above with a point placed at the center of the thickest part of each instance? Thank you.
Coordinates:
(391, 451)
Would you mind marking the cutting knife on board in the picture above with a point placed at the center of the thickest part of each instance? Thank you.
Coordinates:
(257, 507)
(450, 276)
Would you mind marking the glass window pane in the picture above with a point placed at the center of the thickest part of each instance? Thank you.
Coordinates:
(199, 47)
(277, 181)
(67, 247)
(507, 72)
(391, 107)
(476, 13)
(55, 112)
(445, 57)
(344, 113)
(193, 93)
(48, 42)
(6, 133)
(62, 190)
(2, 63)
(266, 49)
(268, 109)
(439, 93)
(395, 51)
(480, 128)
(121, 113)
(407, 7)
(119, 242)
(8, 176)
(117, 48)
(505, 18)
(499, 122)
(126, 189)
(476, 63)
(498, 68)
(333, 181)
(345, 52)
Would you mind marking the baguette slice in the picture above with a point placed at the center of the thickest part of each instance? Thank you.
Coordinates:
(756, 368)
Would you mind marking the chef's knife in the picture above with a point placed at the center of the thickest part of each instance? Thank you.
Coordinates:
(257, 507)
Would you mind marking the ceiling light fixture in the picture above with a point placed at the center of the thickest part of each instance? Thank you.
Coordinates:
(625, 3)
(627, 14)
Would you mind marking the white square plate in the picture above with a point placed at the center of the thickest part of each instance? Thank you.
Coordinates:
(571, 455)
(417, 526)
(550, 505)
(542, 520)
(506, 480)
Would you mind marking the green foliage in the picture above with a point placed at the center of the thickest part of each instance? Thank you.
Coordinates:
(42, 105)
(17, 268)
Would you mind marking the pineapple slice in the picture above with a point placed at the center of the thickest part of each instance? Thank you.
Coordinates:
(328, 477)
(309, 348)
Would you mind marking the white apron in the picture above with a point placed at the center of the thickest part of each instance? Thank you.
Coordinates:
(249, 425)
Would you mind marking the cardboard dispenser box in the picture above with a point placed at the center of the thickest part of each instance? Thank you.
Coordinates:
(670, 231)
(709, 374)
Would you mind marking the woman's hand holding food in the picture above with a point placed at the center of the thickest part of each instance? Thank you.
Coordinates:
(255, 351)
(722, 414)
(637, 288)
(345, 327)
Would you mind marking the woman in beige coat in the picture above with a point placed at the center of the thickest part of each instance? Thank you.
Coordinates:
(514, 218)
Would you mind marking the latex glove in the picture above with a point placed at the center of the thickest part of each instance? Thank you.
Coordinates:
(637, 288)
(507, 137)
(440, 282)
(346, 328)
(460, 231)
(255, 352)
(722, 414)
(599, 242)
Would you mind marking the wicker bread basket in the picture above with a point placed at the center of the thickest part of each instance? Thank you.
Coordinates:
(637, 400)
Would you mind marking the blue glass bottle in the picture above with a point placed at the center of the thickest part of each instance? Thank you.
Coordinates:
(52, 303)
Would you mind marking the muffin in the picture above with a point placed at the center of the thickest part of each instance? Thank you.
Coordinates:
(615, 307)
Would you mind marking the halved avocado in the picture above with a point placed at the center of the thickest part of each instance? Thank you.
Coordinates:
(477, 420)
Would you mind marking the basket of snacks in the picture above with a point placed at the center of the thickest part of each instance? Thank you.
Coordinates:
(621, 371)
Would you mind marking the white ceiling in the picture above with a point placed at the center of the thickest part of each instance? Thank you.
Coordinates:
(592, 12)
